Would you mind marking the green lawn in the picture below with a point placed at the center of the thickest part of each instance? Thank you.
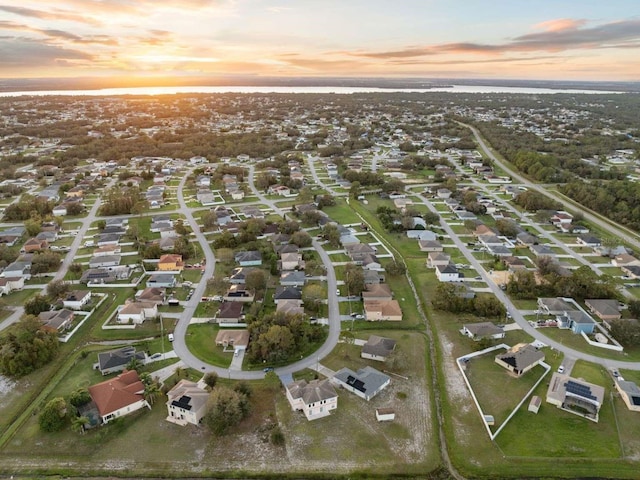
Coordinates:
(201, 340)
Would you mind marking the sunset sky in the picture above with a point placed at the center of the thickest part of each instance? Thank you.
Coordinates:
(520, 39)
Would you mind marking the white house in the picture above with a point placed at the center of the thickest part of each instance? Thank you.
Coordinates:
(187, 403)
(447, 273)
(365, 383)
(137, 312)
(315, 399)
(76, 299)
(9, 284)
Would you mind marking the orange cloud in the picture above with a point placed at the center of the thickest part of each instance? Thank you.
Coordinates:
(560, 24)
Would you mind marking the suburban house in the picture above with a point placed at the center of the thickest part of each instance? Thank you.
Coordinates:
(230, 312)
(17, 269)
(152, 295)
(520, 358)
(239, 274)
(107, 250)
(137, 312)
(448, 273)
(117, 360)
(293, 278)
(438, 258)
(380, 310)
(630, 394)
(430, 246)
(315, 399)
(577, 321)
(104, 261)
(588, 240)
(170, 262)
(575, 396)
(478, 331)
(541, 250)
(291, 261)
(186, 403)
(632, 271)
(290, 307)
(249, 258)
(605, 309)
(236, 339)
(119, 396)
(624, 260)
(554, 306)
(287, 293)
(163, 280)
(76, 299)
(9, 284)
(378, 348)
(380, 291)
(365, 383)
(237, 294)
(56, 320)
(34, 245)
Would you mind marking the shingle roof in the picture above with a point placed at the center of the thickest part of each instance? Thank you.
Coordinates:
(312, 392)
(379, 346)
(125, 389)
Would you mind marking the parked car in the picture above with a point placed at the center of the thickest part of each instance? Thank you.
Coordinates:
(170, 336)
(561, 369)
(267, 369)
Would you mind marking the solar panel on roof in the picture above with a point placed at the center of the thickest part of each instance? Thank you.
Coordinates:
(635, 400)
(579, 389)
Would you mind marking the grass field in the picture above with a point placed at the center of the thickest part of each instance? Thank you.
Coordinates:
(201, 340)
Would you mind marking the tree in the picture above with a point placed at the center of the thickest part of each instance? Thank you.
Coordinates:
(210, 379)
(26, 347)
(255, 280)
(54, 415)
(395, 268)
(274, 345)
(134, 364)
(225, 408)
(79, 397)
(305, 195)
(151, 391)
(507, 227)
(33, 226)
(75, 269)
(78, 424)
(57, 288)
(45, 261)
(331, 234)
(431, 218)
(36, 305)
(313, 296)
(626, 331)
(354, 191)
(354, 279)
(301, 238)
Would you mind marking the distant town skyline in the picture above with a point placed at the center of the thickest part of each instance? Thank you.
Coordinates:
(508, 39)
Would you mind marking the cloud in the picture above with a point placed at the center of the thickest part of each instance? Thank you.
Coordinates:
(45, 15)
(559, 35)
(22, 52)
(60, 34)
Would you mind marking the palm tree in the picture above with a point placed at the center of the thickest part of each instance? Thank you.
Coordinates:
(179, 372)
(78, 424)
(134, 364)
(151, 391)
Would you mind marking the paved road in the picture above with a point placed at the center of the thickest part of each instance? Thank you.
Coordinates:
(516, 314)
(617, 230)
(180, 331)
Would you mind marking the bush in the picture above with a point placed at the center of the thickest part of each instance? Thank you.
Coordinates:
(277, 437)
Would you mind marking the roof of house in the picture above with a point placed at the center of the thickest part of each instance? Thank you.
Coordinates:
(631, 390)
(562, 386)
(312, 392)
(367, 379)
(55, 318)
(237, 338)
(604, 307)
(579, 317)
(555, 304)
(292, 276)
(230, 310)
(171, 258)
(379, 346)
(187, 396)
(521, 356)
(119, 357)
(449, 268)
(384, 307)
(377, 290)
(77, 295)
(248, 256)
(118, 392)
(483, 329)
(290, 307)
(287, 293)
(135, 307)
(151, 294)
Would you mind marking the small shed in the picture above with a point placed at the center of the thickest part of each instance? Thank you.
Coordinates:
(489, 420)
(385, 414)
(534, 404)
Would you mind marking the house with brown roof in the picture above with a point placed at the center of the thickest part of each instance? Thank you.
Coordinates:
(380, 310)
(290, 307)
(236, 339)
(437, 258)
(171, 262)
(430, 245)
(119, 396)
(291, 261)
(155, 295)
(35, 245)
(624, 260)
(186, 403)
(380, 291)
(56, 320)
(9, 284)
(605, 309)
(378, 348)
(520, 358)
(230, 312)
(315, 399)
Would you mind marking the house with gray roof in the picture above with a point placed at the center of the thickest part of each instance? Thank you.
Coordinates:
(293, 278)
(480, 330)
(316, 399)
(249, 258)
(378, 348)
(554, 306)
(117, 360)
(520, 358)
(366, 383)
(630, 394)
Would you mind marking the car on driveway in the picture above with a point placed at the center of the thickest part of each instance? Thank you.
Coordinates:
(561, 369)
(267, 369)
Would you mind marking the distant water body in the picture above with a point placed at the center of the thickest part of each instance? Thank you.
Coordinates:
(337, 90)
